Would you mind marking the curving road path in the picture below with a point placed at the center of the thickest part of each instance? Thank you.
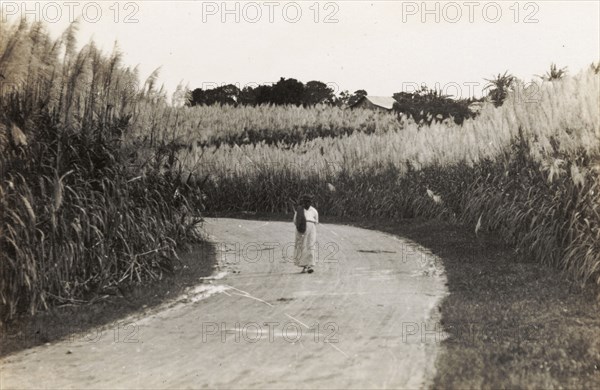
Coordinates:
(367, 318)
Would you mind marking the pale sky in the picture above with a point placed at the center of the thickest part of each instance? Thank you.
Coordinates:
(381, 46)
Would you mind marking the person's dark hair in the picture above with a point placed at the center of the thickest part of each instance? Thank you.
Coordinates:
(300, 219)
(306, 198)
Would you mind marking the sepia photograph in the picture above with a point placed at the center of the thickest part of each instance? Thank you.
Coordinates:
(351, 194)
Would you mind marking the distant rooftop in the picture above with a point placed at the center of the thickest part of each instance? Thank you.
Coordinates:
(386, 102)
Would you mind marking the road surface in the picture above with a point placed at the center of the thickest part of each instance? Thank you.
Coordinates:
(367, 318)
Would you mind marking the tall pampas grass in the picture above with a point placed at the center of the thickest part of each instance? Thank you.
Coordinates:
(527, 170)
(81, 213)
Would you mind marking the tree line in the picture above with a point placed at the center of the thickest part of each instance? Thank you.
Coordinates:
(424, 106)
(284, 92)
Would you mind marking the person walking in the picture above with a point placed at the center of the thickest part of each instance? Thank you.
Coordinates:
(306, 219)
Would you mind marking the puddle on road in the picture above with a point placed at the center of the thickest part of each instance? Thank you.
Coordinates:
(285, 299)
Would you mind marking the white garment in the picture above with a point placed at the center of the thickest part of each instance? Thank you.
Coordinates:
(311, 215)
(305, 244)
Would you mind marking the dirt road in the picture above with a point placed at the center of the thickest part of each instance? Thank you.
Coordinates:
(367, 318)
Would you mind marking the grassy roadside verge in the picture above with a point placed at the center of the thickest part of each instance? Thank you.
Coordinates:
(510, 323)
(45, 327)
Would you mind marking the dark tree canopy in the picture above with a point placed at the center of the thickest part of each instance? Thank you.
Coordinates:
(263, 94)
(226, 94)
(426, 106)
(356, 96)
(287, 91)
(316, 92)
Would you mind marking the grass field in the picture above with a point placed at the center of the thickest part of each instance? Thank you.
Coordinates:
(527, 171)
